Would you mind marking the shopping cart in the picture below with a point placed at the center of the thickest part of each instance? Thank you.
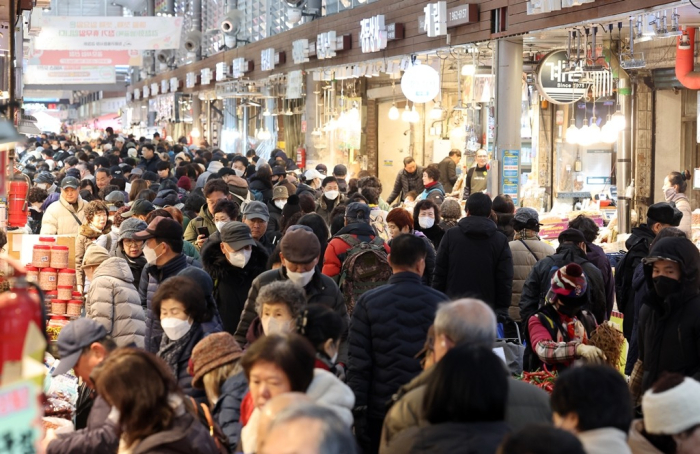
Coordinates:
(512, 344)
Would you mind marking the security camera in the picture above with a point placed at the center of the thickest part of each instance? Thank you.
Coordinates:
(232, 23)
(193, 40)
(293, 15)
(164, 56)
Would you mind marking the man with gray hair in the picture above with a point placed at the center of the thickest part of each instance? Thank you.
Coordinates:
(308, 428)
(473, 322)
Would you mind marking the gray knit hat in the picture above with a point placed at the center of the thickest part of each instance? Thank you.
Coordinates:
(450, 209)
(131, 226)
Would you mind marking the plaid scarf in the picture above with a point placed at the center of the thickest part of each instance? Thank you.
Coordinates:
(526, 234)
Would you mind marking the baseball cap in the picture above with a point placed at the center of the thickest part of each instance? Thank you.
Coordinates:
(74, 337)
(256, 210)
(340, 170)
(150, 176)
(70, 182)
(115, 196)
(526, 214)
(312, 174)
(323, 169)
(571, 235)
(140, 207)
(280, 192)
(160, 227)
(237, 235)
(137, 171)
(300, 245)
(279, 170)
(357, 210)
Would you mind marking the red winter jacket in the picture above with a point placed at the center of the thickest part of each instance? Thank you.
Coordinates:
(337, 248)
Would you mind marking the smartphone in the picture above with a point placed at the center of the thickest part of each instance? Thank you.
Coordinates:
(203, 231)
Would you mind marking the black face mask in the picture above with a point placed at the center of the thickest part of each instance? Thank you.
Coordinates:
(569, 311)
(665, 286)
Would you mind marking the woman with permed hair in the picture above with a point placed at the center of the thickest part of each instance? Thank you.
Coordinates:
(96, 224)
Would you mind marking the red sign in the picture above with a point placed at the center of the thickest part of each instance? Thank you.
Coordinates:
(85, 58)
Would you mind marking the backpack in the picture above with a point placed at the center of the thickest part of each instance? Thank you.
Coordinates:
(256, 194)
(366, 266)
(204, 416)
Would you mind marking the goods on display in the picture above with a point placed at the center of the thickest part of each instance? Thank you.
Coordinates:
(49, 297)
(32, 273)
(65, 292)
(74, 308)
(543, 379)
(48, 279)
(66, 277)
(59, 307)
(47, 240)
(610, 340)
(41, 256)
(59, 257)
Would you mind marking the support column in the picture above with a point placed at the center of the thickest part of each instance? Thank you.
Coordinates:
(197, 115)
(624, 155)
(509, 97)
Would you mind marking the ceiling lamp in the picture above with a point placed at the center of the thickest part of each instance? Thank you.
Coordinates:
(195, 133)
(266, 112)
(414, 116)
(468, 69)
(608, 133)
(618, 120)
(572, 132)
(436, 111)
(594, 131)
(406, 114)
(394, 112)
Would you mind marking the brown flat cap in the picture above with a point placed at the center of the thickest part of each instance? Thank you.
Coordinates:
(300, 245)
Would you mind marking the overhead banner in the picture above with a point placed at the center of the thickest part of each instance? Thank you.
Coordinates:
(85, 58)
(67, 75)
(109, 33)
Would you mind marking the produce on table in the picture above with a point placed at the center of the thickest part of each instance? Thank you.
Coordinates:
(543, 379)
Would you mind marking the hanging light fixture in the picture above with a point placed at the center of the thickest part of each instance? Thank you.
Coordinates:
(406, 114)
(436, 111)
(468, 69)
(572, 132)
(414, 116)
(393, 111)
(618, 120)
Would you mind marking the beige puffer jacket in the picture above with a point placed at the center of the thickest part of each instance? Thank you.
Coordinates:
(523, 262)
(59, 218)
(683, 205)
(114, 302)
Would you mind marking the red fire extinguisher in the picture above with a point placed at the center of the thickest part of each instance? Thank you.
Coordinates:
(301, 157)
(18, 205)
(21, 328)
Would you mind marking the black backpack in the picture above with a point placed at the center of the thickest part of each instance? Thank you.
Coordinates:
(624, 271)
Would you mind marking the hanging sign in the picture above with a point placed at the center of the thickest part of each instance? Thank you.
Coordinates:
(221, 71)
(269, 58)
(154, 89)
(555, 83)
(420, 83)
(164, 85)
(435, 19)
(62, 75)
(190, 80)
(547, 6)
(295, 83)
(109, 33)
(300, 51)
(84, 57)
(146, 92)
(241, 66)
(174, 84)
(205, 78)
(328, 43)
(458, 15)
(511, 174)
(137, 93)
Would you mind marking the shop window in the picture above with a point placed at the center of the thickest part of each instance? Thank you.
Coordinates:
(499, 21)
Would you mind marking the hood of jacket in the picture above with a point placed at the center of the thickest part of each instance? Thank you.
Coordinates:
(683, 252)
(477, 226)
(187, 435)
(115, 267)
(218, 266)
(327, 390)
(356, 228)
(205, 214)
(571, 250)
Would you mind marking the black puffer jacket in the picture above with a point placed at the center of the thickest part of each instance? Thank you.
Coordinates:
(405, 183)
(274, 225)
(539, 281)
(452, 437)
(231, 284)
(321, 290)
(388, 328)
(264, 186)
(637, 248)
(474, 260)
(669, 329)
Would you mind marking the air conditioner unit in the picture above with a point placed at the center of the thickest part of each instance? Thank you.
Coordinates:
(35, 21)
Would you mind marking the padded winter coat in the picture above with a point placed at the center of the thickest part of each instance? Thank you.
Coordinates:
(187, 435)
(405, 183)
(474, 260)
(59, 218)
(205, 219)
(114, 302)
(231, 284)
(388, 328)
(523, 262)
(151, 277)
(100, 435)
(472, 438)
(227, 410)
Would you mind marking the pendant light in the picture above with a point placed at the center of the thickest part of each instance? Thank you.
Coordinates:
(393, 111)
(406, 114)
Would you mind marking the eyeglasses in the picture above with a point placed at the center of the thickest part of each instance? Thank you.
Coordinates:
(133, 244)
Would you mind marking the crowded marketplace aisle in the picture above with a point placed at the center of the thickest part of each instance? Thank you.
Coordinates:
(347, 227)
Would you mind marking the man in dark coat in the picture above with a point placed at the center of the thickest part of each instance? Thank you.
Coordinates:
(383, 346)
(300, 253)
(407, 180)
(87, 339)
(233, 259)
(448, 170)
(572, 247)
(669, 321)
(163, 250)
(149, 160)
(659, 216)
(474, 258)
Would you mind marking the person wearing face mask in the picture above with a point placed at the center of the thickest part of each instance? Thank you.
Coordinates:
(233, 259)
(112, 299)
(330, 199)
(96, 223)
(572, 248)
(358, 228)
(130, 249)
(45, 181)
(383, 344)
(274, 207)
(181, 305)
(300, 253)
(36, 198)
(669, 321)
(323, 328)
(240, 166)
(83, 344)
(278, 304)
(426, 219)
(162, 248)
(433, 188)
(559, 331)
(674, 188)
(225, 211)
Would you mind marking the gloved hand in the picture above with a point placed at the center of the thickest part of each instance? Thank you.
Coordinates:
(590, 353)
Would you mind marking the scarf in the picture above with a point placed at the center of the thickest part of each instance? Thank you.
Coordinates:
(430, 185)
(526, 234)
(171, 351)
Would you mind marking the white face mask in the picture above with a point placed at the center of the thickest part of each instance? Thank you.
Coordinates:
(426, 222)
(239, 173)
(409, 206)
(331, 195)
(301, 278)
(239, 259)
(43, 186)
(280, 203)
(274, 326)
(150, 254)
(175, 328)
(219, 225)
(334, 359)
